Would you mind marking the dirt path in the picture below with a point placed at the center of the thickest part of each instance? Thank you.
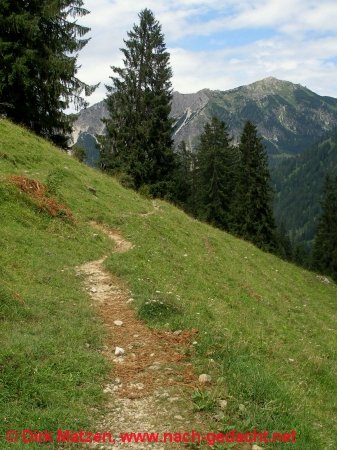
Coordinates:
(122, 245)
(150, 374)
(156, 209)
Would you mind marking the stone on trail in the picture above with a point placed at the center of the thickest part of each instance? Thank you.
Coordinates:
(223, 404)
(154, 367)
(118, 323)
(119, 351)
(204, 378)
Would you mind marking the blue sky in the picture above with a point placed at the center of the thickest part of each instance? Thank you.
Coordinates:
(222, 44)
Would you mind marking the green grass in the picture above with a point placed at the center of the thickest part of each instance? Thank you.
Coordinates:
(49, 376)
(267, 329)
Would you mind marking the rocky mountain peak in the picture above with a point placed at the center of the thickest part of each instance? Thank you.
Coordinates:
(270, 86)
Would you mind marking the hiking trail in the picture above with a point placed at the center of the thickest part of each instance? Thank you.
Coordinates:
(146, 390)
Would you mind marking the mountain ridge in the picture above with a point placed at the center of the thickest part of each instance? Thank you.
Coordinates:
(288, 116)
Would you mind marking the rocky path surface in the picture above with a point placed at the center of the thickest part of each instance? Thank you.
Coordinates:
(149, 387)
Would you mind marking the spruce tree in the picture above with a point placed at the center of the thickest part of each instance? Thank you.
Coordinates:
(325, 245)
(183, 176)
(253, 214)
(215, 174)
(138, 140)
(39, 41)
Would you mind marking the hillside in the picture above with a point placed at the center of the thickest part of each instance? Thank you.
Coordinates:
(298, 183)
(264, 330)
(288, 116)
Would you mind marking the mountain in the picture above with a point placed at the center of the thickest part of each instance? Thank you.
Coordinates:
(261, 328)
(87, 125)
(289, 116)
(298, 184)
(89, 121)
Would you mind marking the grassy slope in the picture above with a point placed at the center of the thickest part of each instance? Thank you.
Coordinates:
(267, 329)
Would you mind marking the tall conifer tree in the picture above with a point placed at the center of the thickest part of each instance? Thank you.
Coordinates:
(325, 246)
(138, 140)
(39, 41)
(253, 214)
(183, 176)
(216, 174)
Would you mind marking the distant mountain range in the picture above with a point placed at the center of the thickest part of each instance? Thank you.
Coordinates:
(289, 117)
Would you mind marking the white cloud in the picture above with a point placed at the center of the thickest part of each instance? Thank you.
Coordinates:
(302, 49)
(284, 59)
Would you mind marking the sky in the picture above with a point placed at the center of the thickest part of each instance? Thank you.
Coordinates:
(221, 44)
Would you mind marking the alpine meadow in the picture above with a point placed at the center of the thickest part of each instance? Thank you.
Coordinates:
(168, 261)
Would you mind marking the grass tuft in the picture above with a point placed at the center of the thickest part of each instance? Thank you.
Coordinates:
(159, 308)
